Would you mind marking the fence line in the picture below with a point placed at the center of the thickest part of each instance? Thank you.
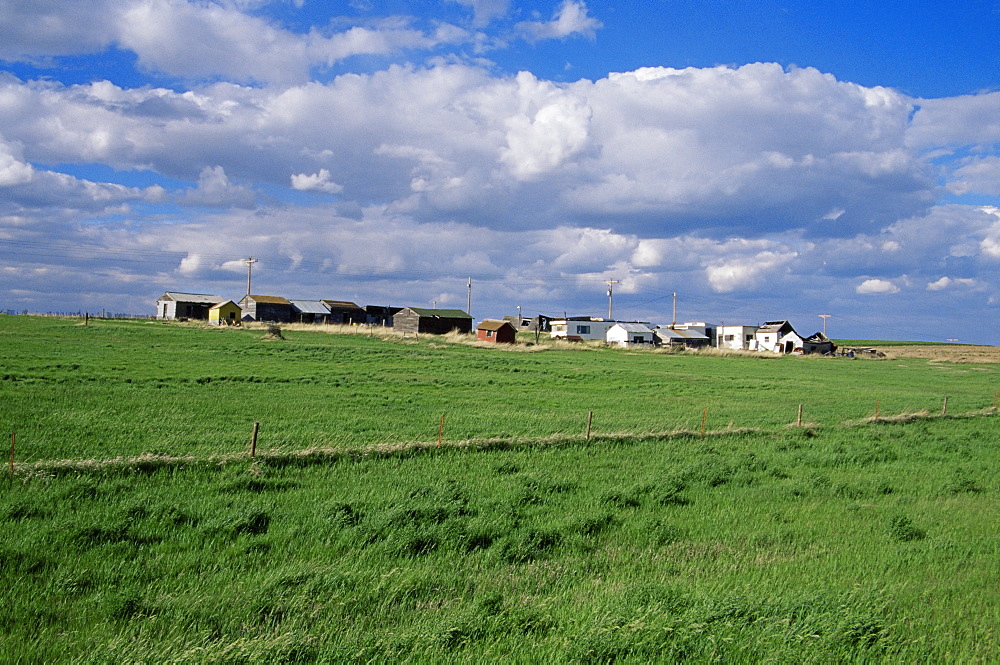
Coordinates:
(149, 460)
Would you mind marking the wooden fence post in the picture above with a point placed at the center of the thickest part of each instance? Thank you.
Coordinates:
(944, 407)
(253, 440)
(590, 419)
(798, 421)
(441, 430)
(13, 435)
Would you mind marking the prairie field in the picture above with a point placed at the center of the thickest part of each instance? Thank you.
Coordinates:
(125, 388)
(428, 499)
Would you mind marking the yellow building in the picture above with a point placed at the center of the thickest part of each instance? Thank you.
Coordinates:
(225, 313)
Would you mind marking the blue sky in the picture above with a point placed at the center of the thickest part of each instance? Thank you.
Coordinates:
(764, 160)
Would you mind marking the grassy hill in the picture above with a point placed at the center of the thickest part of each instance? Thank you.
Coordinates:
(518, 539)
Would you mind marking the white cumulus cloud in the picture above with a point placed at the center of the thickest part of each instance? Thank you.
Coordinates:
(319, 181)
(215, 190)
(12, 170)
(949, 282)
(876, 287)
(552, 129)
(746, 272)
(572, 18)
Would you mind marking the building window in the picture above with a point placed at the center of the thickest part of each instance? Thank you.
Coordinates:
(583, 330)
(729, 338)
(489, 334)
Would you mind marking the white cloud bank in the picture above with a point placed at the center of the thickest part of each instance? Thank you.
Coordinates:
(762, 190)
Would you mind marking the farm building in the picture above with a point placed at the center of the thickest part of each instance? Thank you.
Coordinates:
(498, 332)
(681, 336)
(540, 323)
(267, 308)
(310, 311)
(630, 334)
(175, 305)
(347, 313)
(380, 315)
(779, 337)
(736, 337)
(581, 328)
(433, 321)
(225, 313)
(818, 343)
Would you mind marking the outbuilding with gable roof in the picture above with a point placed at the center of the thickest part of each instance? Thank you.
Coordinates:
(498, 332)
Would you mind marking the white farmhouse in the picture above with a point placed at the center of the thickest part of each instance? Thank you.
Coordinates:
(630, 334)
(737, 337)
(779, 337)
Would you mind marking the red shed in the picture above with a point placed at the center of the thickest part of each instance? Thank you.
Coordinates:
(498, 332)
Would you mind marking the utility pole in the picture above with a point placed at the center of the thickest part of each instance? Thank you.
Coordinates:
(611, 297)
(824, 317)
(468, 307)
(249, 261)
(674, 324)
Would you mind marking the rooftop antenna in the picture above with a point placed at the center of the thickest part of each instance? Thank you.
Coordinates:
(249, 261)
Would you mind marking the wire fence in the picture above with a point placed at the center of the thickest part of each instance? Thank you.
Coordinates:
(22, 462)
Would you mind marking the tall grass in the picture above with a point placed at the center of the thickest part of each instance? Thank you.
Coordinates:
(874, 543)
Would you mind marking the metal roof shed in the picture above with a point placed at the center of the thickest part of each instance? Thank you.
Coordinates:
(630, 334)
(311, 311)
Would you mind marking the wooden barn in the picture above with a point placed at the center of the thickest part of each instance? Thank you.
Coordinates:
(345, 312)
(225, 313)
(380, 315)
(498, 332)
(267, 308)
(433, 321)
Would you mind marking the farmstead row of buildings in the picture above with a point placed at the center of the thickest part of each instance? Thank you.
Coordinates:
(775, 336)
(276, 309)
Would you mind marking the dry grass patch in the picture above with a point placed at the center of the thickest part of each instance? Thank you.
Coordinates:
(954, 353)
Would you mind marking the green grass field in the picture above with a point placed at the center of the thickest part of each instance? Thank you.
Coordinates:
(130, 387)
(518, 539)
